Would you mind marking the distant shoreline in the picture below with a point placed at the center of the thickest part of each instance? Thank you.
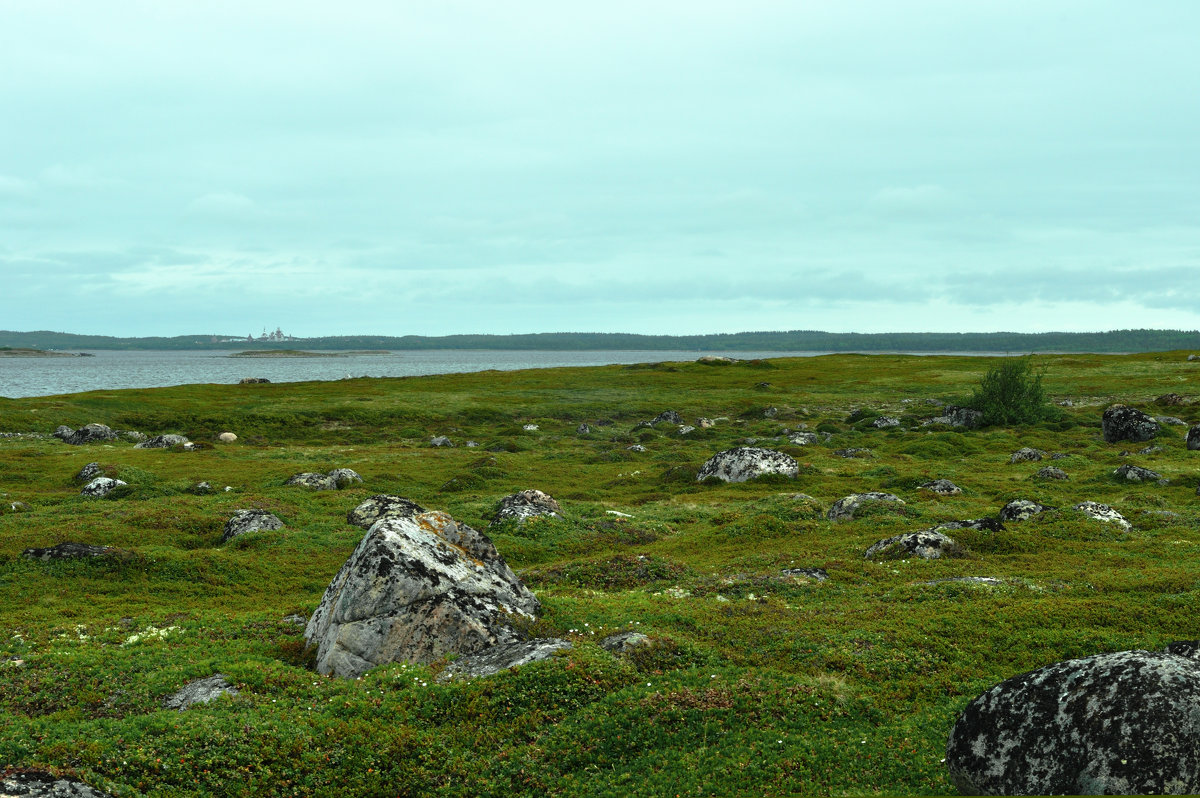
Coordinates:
(261, 353)
(6, 351)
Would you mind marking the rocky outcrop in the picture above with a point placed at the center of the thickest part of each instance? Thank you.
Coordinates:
(1126, 723)
(39, 784)
(1022, 510)
(162, 442)
(253, 380)
(928, 544)
(942, 487)
(885, 422)
(199, 691)
(89, 433)
(624, 642)
(1051, 472)
(382, 506)
(244, 521)
(746, 462)
(1026, 455)
(1124, 423)
(845, 508)
(69, 551)
(1103, 513)
(668, 417)
(441, 441)
(520, 507)
(502, 657)
(312, 481)
(1134, 473)
(954, 416)
(803, 438)
(89, 472)
(415, 590)
(101, 487)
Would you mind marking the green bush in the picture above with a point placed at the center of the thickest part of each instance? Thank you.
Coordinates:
(1011, 393)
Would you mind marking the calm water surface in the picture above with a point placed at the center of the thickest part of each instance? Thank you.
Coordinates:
(112, 370)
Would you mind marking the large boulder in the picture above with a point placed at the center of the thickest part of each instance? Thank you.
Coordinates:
(101, 487)
(844, 508)
(747, 462)
(244, 521)
(1126, 723)
(415, 590)
(929, 544)
(162, 442)
(382, 506)
(520, 507)
(90, 433)
(1124, 423)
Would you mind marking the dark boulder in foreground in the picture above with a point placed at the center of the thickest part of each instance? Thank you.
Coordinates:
(1112, 724)
(1124, 423)
(415, 590)
(747, 462)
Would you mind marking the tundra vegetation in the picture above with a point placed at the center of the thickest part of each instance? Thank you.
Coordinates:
(761, 677)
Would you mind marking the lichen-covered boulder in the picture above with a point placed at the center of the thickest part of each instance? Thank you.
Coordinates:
(501, 657)
(954, 416)
(624, 642)
(69, 551)
(90, 433)
(440, 441)
(89, 472)
(101, 487)
(747, 462)
(1124, 423)
(885, 422)
(244, 521)
(162, 442)
(803, 438)
(520, 507)
(1026, 455)
(942, 487)
(382, 506)
(1126, 723)
(1193, 438)
(313, 481)
(928, 544)
(844, 508)
(1104, 513)
(40, 784)
(414, 590)
(200, 691)
(1022, 510)
(1134, 473)
(344, 477)
(668, 416)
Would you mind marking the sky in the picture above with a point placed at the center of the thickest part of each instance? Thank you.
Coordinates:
(660, 167)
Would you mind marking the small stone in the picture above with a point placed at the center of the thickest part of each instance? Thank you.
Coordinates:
(522, 506)
(1134, 473)
(312, 481)
(705, 423)
(927, 545)
(201, 489)
(69, 551)
(101, 486)
(162, 442)
(344, 477)
(199, 691)
(803, 438)
(530, 427)
(88, 472)
(637, 447)
(942, 487)
(227, 437)
(846, 507)
(624, 642)
(668, 417)
(440, 440)
(244, 521)
(583, 429)
(885, 422)
(1026, 455)
(1104, 513)
(685, 429)
(1022, 510)
(1051, 472)
(814, 574)
(90, 433)
(1123, 423)
(854, 453)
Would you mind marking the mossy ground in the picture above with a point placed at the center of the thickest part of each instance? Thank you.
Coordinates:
(758, 682)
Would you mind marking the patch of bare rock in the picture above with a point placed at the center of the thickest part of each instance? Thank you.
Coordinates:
(747, 462)
(520, 507)
(244, 521)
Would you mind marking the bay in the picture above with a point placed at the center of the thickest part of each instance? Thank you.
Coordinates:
(111, 370)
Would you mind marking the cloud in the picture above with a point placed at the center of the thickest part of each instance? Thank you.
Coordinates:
(225, 206)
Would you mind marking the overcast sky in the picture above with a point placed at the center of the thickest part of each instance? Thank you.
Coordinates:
(447, 167)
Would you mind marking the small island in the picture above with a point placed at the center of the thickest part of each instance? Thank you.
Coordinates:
(20, 351)
(303, 353)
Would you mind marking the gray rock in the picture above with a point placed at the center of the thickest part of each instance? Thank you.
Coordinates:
(520, 507)
(705, 423)
(1126, 723)
(101, 486)
(244, 521)
(942, 487)
(39, 784)
(928, 544)
(637, 447)
(803, 438)
(382, 506)
(415, 590)
(90, 433)
(770, 412)
(1124, 423)
(201, 489)
(845, 508)
(885, 422)
(1104, 513)
(1022, 510)
(815, 574)
(17, 507)
(312, 481)
(530, 427)
(667, 416)
(981, 524)
(227, 437)
(858, 453)
(1051, 472)
(134, 436)
(583, 429)
(1170, 400)
(162, 442)
(69, 551)
(440, 441)
(624, 642)
(253, 381)
(1134, 473)
(200, 691)
(1026, 455)
(502, 657)
(1170, 421)
(471, 444)
(684, 429)
(344, 477)
(1193, 438)
(62, 432)
(1193, 357)
(88, 472)
(744, 463)
(954, 416)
